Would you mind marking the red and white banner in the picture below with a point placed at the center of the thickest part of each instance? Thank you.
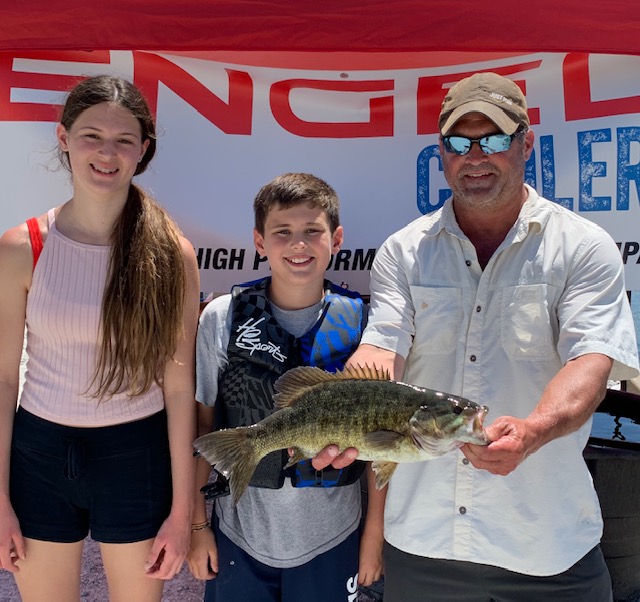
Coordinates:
(366, 123)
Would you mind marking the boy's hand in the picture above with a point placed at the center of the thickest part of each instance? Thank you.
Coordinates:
(330, 456)
(203, 555)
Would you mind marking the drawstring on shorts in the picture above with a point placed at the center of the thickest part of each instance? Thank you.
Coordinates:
(75, 459)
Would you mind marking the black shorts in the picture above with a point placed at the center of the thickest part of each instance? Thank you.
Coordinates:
(410, 578)
(329, 577)
(113, 481)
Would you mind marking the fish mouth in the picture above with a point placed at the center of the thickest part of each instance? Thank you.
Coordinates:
(476, 426)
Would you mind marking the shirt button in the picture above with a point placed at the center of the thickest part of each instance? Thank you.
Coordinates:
(478, 308)
(472, 358)
(462, 510)
(465, 461)
(468, 262)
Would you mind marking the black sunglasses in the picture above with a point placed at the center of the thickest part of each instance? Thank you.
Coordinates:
(494, 143)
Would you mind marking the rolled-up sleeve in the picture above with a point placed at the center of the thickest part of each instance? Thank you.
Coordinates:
(391, 316)
(594, 313)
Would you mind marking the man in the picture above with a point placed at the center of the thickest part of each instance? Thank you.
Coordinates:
(512, 301)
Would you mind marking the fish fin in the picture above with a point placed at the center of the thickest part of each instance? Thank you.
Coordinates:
(364, 372)
(383, 472)
(232, 452)
(382, 440)
(295, 382)
(298, 456)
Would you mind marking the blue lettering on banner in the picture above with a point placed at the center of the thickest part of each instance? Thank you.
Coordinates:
(548, 166)
(590, 169)
(424, 163)
(530, 171)
(429, 163)
(627, 172)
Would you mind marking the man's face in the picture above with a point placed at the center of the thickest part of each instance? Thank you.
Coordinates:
(480, 180)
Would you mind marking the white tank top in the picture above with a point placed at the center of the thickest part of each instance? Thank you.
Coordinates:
(63, 322)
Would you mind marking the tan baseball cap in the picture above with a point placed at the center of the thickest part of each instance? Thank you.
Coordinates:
(497, 97)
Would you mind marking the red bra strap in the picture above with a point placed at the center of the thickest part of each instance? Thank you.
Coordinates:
(36, 238)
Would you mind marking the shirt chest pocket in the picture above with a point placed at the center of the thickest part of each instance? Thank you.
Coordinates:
(526, 322)
(438, 315)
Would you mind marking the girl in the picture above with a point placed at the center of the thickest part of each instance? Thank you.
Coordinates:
(101, 441)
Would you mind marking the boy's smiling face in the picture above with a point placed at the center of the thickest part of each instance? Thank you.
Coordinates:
(298, 243)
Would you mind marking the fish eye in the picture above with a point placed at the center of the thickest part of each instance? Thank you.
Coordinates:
(457, 410)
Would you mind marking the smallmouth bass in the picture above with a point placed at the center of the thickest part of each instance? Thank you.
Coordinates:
(387, 421)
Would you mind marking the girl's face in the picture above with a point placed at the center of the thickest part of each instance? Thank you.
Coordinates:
(104, 146)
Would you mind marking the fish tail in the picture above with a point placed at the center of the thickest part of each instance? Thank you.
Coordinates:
(233, 453)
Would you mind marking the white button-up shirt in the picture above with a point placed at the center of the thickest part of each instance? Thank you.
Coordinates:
(553, 290)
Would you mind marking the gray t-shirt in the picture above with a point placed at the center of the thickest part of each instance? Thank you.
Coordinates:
(284, 527)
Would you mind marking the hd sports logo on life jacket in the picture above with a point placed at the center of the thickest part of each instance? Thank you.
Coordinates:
(249, 339)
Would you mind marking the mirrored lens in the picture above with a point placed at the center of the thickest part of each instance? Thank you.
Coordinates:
(457, 144)
(495, 143)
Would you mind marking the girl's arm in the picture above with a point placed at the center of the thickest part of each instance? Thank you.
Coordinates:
(16, 266)
(172, 542)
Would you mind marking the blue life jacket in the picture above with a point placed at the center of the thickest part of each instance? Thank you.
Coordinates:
(260, 351)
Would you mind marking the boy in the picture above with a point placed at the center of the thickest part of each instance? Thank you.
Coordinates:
(294, 534)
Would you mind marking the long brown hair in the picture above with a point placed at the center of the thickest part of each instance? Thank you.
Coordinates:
(144, 297)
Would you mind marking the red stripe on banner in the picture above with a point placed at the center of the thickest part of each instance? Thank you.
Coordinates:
(345, 61)
(326, 26)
